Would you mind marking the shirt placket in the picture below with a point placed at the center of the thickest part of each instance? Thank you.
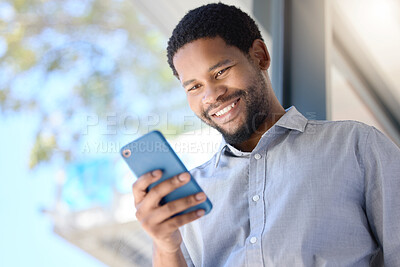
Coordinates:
(256, 208)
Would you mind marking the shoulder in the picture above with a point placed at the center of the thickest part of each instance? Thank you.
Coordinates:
(340, 130)
(350, 129)
(346, 125)
(369, 141)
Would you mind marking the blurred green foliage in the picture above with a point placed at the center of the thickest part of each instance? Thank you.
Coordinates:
(60, 60)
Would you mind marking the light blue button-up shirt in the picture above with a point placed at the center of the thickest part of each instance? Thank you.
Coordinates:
(312, 193)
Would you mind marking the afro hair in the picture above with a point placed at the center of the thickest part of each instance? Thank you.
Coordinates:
(234, 26)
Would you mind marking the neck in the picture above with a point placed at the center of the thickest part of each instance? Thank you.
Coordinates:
(276, 112)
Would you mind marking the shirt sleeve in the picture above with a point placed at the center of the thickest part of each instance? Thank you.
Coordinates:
(381, 160)
(186, 255)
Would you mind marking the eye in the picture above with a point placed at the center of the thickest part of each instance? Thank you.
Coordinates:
(219, 73)
(194, 87)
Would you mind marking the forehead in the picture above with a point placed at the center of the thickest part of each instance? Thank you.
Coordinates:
(198, 56)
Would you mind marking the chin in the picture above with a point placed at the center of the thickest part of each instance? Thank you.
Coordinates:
(236, 136)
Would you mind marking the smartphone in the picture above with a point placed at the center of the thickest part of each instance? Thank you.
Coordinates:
(152, 152)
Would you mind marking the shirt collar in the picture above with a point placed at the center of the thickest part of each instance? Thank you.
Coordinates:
(292, 120)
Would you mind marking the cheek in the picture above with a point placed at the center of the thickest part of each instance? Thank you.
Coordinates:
(240, 79)
(194, 103)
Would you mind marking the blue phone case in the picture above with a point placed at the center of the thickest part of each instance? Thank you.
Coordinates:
(152, 152)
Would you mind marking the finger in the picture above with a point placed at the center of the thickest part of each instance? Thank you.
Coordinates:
(171, 208)
(174, 223)
(155, 195)
(139, 187)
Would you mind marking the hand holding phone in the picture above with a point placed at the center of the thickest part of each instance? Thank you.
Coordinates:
(158, 221)
(157, 167)
(152, 152)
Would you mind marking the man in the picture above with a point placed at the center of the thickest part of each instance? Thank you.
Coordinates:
(286, 191)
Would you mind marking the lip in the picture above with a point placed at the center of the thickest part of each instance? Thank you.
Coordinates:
(230, 115)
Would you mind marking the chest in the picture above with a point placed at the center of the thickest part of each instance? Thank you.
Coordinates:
(276, 202)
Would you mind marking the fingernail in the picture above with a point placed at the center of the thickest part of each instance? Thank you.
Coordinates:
(182, 177)
(154, 173)
(200, 196)
(200, 213)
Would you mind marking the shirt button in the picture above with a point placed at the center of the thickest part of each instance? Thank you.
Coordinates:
(256, 198)
(257, 156)
(253, 240)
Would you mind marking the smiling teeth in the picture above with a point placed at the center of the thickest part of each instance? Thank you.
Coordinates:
(225, 110)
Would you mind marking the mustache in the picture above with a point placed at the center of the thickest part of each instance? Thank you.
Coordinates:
(223, 99)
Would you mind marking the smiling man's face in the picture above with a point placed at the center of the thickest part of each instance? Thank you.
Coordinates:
(224, 87)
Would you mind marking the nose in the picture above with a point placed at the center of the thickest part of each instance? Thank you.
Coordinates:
(212, 93)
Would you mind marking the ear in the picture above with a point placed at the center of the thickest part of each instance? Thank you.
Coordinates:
(259, 53)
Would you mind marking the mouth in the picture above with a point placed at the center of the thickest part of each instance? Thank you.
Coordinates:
(226, 109)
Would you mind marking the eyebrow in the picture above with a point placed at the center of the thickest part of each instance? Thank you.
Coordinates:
(188, 82)
(219, 64)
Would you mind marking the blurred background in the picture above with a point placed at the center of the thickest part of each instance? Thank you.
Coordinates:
(81, 78)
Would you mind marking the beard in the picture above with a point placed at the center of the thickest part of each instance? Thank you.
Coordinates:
(256, 108)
